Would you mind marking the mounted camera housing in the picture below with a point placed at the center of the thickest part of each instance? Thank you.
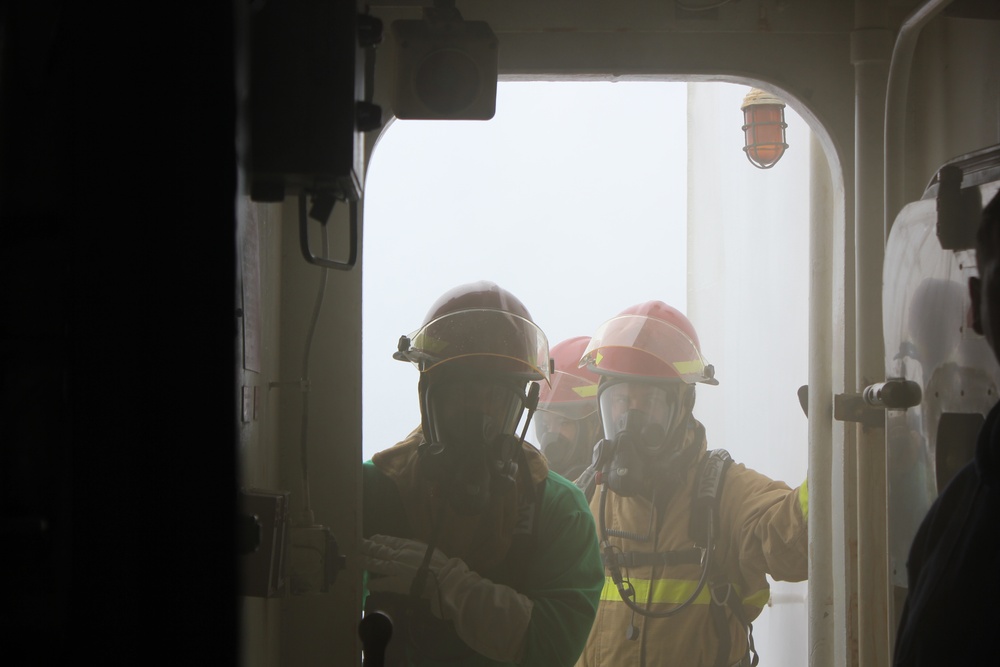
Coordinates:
(446, 68)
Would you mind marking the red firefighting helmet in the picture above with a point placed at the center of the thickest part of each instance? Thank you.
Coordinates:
(573, 390)
(652, 341)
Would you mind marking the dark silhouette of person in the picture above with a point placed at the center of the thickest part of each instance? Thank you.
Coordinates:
(953, 570)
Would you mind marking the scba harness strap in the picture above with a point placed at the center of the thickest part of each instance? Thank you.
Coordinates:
(705, 514)
(628, 559)
(724, 595)
(705, 517)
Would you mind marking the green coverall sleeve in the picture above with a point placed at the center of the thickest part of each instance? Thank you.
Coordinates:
(565, 580)
(564, 576)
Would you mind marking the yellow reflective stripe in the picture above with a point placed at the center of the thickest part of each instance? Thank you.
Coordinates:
(597, 358)
(804, 499)
(587, 391)
(758, 599)
(675, 591)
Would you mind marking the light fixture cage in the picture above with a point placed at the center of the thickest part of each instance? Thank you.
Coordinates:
(763, 128)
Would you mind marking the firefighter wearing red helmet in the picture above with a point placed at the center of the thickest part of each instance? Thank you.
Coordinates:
(687, 536)
(477, 552)
(567, 425)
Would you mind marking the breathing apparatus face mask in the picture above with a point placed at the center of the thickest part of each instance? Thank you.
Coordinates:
(567, 443)
(644, 424)
(469, 438)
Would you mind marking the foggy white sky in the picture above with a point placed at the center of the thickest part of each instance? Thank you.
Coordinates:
(572, 197)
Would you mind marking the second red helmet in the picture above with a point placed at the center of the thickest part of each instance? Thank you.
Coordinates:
(573, 389)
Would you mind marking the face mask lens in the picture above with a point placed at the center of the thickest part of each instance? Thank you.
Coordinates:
(547, 423)
(556, 449)
(473, 413)
(639, 406)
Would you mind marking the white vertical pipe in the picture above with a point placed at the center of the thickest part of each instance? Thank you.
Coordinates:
(822, 597)
(895, 105)
(870, 52)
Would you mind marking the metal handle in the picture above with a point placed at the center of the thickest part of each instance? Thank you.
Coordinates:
(893, 394)
(326, 262)
(870, 405)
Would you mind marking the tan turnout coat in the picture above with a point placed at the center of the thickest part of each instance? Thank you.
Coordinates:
(762, 531)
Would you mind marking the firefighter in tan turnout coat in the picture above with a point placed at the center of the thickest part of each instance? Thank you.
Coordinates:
(687, 535)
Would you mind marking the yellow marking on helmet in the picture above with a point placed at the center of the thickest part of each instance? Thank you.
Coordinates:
(688, 367)
(597, 358)
(588, 391)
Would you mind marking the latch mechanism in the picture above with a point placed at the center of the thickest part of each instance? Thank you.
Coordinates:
(868, 407)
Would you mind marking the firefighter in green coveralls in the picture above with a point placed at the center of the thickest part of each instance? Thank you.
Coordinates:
(476, 551)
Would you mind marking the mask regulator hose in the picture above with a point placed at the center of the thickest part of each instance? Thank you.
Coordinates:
(625, 589)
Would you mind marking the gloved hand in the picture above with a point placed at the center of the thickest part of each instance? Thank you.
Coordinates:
(394, 562)
(491, 618)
